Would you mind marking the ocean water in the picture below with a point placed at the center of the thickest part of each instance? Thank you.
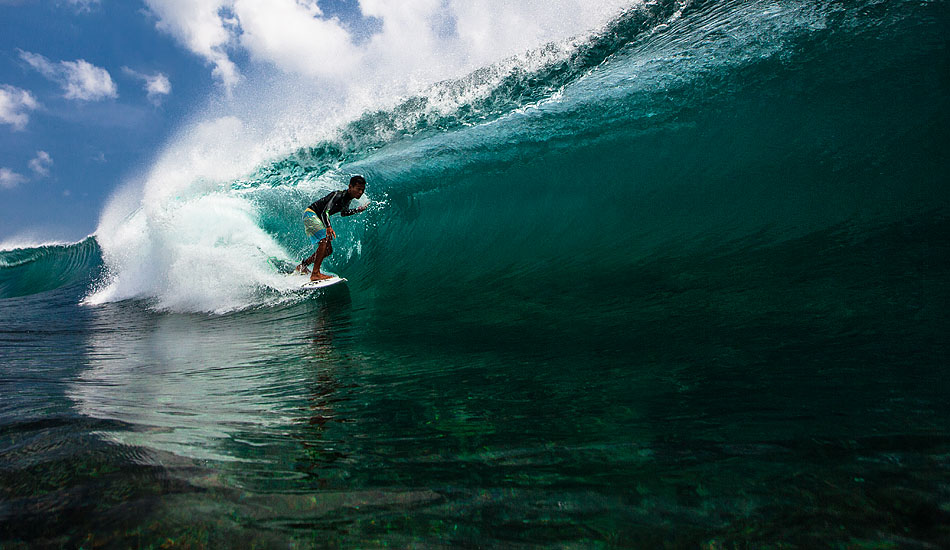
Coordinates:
(680, 284)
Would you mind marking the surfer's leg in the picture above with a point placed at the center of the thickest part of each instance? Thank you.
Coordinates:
(317, 233)
(318, 257)
(310, 260)
(302, 268)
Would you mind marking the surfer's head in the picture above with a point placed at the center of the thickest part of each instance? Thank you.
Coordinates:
(357, 186)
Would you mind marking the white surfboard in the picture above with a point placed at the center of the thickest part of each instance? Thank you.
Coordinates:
(322, 283)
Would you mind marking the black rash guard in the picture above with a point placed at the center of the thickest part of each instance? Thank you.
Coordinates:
(337, 201)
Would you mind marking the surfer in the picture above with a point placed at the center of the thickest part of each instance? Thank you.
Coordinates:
(316, 223)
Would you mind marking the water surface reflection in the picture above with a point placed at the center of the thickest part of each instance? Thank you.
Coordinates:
(223, 388)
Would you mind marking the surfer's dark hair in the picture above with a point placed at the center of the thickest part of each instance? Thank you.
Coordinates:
(357, 180)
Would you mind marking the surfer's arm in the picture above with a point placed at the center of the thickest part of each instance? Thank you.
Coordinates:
(351, 211)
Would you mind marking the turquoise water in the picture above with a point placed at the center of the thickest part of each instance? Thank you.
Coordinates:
(685, 286)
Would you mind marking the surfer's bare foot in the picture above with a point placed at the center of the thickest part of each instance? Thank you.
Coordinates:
(320, 277)
(301, 269)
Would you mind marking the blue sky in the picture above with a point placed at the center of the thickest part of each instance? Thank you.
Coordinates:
(83, 144)
(62, 153)
(92, 91)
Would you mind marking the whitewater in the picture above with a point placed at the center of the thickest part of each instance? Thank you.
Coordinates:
(676, 280)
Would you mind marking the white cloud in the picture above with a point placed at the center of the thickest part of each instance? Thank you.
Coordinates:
(14, 106)
(79, 79)
(41, 163)
(293, 35)
(420, 40)
(156, 85)
(87, 82)
(204, 28)
(10, 179)
(83, 6)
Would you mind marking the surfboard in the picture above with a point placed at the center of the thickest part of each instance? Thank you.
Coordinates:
(323, 283)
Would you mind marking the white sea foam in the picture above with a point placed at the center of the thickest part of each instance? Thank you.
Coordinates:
(205, 254)
(22, 242)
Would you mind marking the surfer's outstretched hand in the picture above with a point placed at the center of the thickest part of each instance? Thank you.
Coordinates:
(331, 234)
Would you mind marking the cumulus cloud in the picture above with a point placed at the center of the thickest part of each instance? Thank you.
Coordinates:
(10, 179)
(419, 39)
(204, 27)
(294, 36)
(41, 163)
(79, 79)
(156, 85)
(15, 105)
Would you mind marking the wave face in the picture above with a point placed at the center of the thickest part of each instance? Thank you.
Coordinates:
(684, 133)
(31, 270)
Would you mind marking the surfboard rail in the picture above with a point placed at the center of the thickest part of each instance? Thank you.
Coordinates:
(323, 282)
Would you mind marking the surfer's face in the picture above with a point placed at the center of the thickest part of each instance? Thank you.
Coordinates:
(356, 190)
